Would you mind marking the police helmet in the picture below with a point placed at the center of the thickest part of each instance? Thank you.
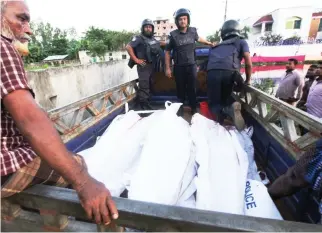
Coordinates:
(229, 28)
(181, 12)
(147, 22)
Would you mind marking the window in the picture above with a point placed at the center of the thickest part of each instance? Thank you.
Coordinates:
(297, 24)
(164, 21)
(293, 23)
(164, 28)
(320, 26)
(268, 27)
(289, 24)
(158, 22)
(123, 56)
(172, 26)
(110, 54)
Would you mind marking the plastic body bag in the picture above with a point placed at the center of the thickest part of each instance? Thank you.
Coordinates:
(108, 159)
(188, 189)
(245, 141)
(221, 178)
(164, 159)
(258, 202)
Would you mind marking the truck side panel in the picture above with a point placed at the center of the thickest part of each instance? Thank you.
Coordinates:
(275, 161)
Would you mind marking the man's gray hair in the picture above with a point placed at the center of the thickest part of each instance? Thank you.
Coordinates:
(3, 5)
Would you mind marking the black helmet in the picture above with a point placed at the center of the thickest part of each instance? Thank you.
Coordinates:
(230, 27)
(147, 22)
(181, 12)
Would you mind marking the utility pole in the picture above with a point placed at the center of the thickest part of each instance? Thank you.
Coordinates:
(225, 16)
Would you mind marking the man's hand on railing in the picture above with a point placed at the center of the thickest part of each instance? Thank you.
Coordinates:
(247, 82)
(97, 201)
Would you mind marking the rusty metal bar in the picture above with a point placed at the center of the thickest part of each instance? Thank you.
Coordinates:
(84, 113)
(155, 217)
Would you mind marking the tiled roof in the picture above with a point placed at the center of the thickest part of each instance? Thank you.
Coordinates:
(266, 18)
(316, 14)
(56, 57)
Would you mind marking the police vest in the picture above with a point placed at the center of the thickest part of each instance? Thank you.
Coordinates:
(184, 46)
(225, 56)
(152, 49)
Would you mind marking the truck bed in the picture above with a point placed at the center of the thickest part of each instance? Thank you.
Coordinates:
(91, 116)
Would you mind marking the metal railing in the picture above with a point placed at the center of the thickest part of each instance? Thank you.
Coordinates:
(281, 120)
(288, 41)
(55, 204)
(73, 119)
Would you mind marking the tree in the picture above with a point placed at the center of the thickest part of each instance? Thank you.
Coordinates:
(99, 41)
(265, 85)
(244, 32)
(47, 40)
(96, 41)
(74, 47)
(271, 39)
(214, 37)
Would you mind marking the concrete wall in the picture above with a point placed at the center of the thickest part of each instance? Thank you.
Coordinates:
(282, 15)
(57, 87)
(85, 57)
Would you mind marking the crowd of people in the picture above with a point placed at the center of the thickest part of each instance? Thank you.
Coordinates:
(32, 151)
(305, 95)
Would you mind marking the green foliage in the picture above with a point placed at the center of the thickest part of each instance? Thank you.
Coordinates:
(244, 32)
(265, 85)
(214, 37)
(47, 40)
(39, 67)
(271, 39)
(100, 41)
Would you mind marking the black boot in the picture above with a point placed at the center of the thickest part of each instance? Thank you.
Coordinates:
(146, 106)
(193, 111)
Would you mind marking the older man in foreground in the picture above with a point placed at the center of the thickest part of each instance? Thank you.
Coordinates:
(31, 149)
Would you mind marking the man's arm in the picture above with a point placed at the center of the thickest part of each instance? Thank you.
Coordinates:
(248, 67)
(130, 50)
(299, 82)
(302, 102)
(204, 41)
(248, 61)
(39, 131)
(167, 58)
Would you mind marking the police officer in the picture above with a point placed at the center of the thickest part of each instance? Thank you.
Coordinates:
(182, 42)
(144, 50)
(223, 67)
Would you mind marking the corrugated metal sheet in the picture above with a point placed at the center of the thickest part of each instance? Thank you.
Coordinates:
(55, 57)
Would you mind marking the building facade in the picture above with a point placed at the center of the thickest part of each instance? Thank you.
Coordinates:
(162, 28)
(301, 22)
